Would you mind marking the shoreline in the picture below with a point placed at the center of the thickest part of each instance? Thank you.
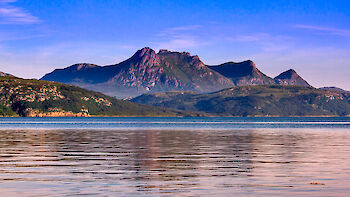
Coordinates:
(126, 116)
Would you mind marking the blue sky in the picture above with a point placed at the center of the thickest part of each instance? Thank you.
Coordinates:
(312, 37)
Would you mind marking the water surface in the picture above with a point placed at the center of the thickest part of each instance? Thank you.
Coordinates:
(171, 123)
(175, 156)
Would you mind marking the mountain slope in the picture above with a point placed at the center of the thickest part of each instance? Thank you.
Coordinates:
(260, 100)
(290, 77)
(43, 98)
(243, 73)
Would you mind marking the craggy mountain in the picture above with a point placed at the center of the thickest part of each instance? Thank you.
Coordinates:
(259, 100)
(290, 77)
(24, 97)
(148, 71)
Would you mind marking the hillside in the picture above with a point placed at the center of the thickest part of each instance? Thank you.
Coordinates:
(260, 100)
(149, 72)
(42, 98)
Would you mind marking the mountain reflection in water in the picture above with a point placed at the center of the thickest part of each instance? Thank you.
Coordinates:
(287, 162)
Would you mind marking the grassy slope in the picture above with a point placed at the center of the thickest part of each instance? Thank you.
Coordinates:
(265, 100)
(15, 93)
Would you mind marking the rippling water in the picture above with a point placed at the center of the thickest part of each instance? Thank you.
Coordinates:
(201, 123)
(175, 156)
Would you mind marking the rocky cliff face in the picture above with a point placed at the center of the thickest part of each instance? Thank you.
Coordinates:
(290, 77)
(148, 71)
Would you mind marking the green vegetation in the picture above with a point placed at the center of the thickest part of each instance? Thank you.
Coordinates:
(42, 98)
(263, 100)
(5, 111)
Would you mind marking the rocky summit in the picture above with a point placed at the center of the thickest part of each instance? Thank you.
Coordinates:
(147, 71)
(290, 77)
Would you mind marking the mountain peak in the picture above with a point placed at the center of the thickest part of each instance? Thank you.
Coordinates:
(146, 51)
(291, 73)
(145, 56)
(290, 77)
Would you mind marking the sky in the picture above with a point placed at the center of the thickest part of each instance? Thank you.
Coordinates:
(312, 37)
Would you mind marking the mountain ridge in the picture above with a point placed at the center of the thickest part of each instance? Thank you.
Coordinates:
(148, 71)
